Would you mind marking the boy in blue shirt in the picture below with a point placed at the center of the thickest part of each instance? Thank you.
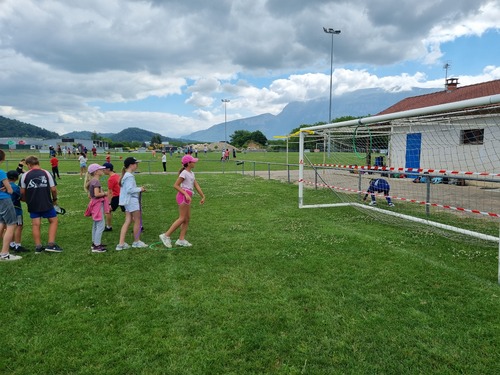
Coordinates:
(378, 185)
(7, 215)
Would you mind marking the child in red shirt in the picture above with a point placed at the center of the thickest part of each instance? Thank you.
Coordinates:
(55, 167)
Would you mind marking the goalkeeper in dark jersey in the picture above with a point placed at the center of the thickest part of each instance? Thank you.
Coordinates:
(378, 185)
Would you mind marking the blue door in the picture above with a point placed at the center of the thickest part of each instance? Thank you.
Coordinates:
(413, 147)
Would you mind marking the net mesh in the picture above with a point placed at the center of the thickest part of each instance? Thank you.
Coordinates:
(443, 167)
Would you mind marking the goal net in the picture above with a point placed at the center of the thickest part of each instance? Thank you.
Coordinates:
(436, 166)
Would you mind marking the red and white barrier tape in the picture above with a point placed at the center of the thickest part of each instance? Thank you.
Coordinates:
(461, 209)
(407, 170)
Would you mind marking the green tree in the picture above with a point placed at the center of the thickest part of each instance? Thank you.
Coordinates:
(259, 137)
(240, 137)
(156, 139)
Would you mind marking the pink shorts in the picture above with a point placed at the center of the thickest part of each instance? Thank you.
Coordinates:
(181, 199)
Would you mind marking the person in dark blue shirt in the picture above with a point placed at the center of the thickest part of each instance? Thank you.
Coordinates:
(378, 185)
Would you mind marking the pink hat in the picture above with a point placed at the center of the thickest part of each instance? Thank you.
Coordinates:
(95, 167)
(188, 159)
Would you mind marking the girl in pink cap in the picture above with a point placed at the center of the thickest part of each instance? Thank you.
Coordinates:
(184, 185)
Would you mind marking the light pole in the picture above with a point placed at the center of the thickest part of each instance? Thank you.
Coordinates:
(225, 101)
(333, 32)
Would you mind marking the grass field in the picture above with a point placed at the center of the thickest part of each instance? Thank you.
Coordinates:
(266, 289)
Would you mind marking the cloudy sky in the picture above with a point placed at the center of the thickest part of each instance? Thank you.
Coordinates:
(165, 65)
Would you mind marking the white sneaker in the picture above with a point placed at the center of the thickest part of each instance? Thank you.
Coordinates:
(183, 243)
(139, 244)
(372, 203)
(123, 247)
(166, 240)
(9, 257)
(391, 204)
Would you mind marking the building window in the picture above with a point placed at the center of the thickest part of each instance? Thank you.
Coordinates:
(472, 137)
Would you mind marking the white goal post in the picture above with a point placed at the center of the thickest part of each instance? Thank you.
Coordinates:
(466, 161)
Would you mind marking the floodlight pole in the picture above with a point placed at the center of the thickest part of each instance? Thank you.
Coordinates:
(225, 101)
(332, 32)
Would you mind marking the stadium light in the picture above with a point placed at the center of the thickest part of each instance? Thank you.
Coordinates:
(225, 101)
(332, 32)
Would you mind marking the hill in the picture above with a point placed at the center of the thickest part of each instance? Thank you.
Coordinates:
(126, 135)
(19, 129)
(357, 103)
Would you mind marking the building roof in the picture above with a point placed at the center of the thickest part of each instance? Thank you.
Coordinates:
(450, 95)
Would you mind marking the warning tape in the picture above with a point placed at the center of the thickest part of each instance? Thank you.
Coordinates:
(407, 170)
(461, 209)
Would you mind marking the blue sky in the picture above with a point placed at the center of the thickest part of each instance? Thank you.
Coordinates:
(165, 65)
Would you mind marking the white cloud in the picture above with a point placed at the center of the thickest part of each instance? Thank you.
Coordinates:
(260, 54)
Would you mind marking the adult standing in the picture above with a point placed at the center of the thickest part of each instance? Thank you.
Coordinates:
(39, 192)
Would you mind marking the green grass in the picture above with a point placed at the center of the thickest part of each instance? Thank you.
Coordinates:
(266, 288)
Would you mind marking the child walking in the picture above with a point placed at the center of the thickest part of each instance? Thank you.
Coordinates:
(130, 198)
(98, 205)
(184, 186)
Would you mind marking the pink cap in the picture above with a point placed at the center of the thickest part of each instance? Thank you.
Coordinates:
(95, 167)
(188, 159)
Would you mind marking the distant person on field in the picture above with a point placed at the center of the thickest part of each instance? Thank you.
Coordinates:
(185, 184)
(54, 162)
(113, 194)
(378, 185)
(164, 161)
(130, 198)
(98, 205)
(82, 159)
(8, 218)
(16, 245)
(39, 192)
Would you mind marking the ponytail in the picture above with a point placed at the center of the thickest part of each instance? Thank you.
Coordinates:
(183, 167)
(121, 177)
(86, 181)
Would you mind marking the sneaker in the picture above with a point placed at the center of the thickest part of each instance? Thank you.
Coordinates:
(108, 229)
(19, 249)
(391, 204)
(8, 257)
(93, 246)
(166, 240)
(139, 244)
(373, 203)
(54, 248)
(122, 247)
(98, 249)
(183, 243)
(39, 249)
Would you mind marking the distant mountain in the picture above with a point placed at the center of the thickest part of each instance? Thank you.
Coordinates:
(357, 103)
(126, 135)
(18, 129)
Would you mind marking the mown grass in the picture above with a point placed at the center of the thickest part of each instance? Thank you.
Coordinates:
(266, 288)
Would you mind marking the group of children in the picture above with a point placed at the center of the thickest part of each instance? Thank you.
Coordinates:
(38, 189)
(124, 192)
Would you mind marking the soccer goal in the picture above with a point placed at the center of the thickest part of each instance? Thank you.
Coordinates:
(436, 166)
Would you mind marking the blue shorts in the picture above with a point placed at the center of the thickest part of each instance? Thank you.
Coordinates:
(49, 214)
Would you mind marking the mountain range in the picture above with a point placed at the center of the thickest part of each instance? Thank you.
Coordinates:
(358, 103)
